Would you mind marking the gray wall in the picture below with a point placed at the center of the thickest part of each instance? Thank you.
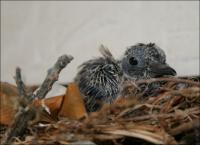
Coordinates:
(34, 34)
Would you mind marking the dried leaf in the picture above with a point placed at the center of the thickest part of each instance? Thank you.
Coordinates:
(9, 103)
(53, 103)
(72, 105)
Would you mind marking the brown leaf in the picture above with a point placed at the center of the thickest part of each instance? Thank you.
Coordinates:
(9, 99)
(9, 103)
(72, 105)
(53, 105)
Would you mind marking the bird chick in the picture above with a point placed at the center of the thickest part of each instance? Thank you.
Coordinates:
(99, 79)
(143, 61)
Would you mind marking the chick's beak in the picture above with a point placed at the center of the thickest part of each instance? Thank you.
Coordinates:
(159, 70)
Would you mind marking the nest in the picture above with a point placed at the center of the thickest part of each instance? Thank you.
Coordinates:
(154, 111)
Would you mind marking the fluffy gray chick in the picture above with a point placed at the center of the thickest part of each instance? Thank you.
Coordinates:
(143, 61)
(99, 79)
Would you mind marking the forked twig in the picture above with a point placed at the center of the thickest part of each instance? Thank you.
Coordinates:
(27, 112)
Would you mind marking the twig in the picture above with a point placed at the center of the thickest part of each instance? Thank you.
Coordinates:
(19, 125)
(25, 113)
(128, 111)
(52, 75)
(21, 88)
(20, 85)
(177, 80)
(28, 112)
(185, 127)
(194, 110)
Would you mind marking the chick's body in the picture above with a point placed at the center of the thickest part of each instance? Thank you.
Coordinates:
(98, 80)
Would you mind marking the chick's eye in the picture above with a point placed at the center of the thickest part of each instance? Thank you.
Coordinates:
(133, 61)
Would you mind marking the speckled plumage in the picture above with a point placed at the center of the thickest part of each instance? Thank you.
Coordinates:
(99, 79)
(151, 62)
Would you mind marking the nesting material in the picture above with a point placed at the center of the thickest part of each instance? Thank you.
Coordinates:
(153, 111)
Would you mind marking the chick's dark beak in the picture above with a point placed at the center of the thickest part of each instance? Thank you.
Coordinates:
(159, 70)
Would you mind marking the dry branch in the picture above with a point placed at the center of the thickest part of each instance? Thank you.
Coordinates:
(28, 112)
(52, 75)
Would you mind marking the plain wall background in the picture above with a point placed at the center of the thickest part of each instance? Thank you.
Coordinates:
(34, 34)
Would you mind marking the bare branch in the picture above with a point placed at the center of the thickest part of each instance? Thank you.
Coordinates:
(28, 112)
(52, 75)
